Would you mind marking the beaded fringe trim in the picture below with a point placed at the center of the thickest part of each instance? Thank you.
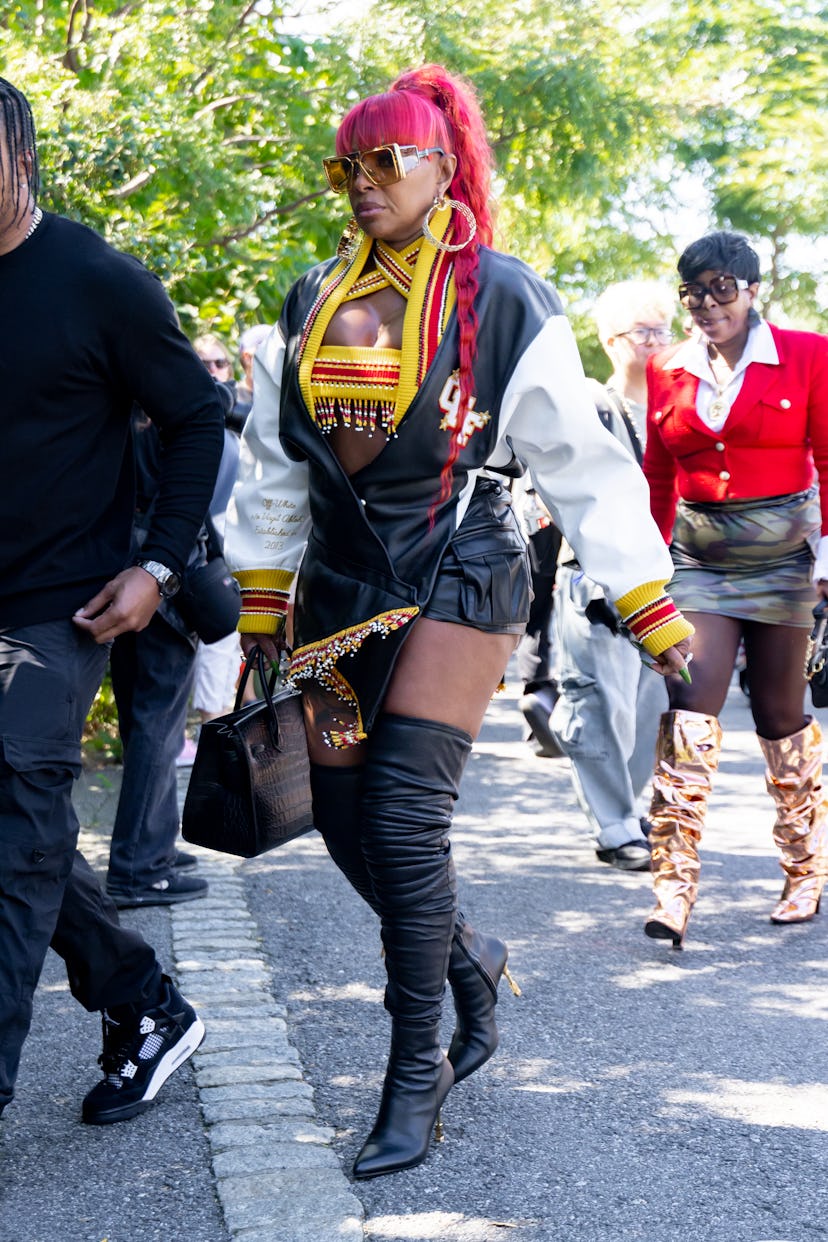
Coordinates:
(318, 661)
(356, 413)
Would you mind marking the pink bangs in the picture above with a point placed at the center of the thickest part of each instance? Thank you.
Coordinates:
(398, 116)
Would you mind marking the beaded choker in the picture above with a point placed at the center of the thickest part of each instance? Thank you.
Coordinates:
(370, 389)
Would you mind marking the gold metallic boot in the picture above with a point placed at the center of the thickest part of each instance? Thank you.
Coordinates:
(687, 755)
(793, 778)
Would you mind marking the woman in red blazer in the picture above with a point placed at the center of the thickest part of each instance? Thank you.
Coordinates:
(737, 422)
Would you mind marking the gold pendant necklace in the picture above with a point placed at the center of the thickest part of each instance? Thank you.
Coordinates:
(719, 406)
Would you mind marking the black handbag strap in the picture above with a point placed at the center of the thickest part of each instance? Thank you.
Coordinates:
(608, 402)
(256, 660)
(622, 409)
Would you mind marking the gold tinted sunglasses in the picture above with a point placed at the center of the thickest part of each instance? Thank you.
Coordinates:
(383, 165)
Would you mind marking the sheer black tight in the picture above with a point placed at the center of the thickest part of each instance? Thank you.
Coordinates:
(775, 655)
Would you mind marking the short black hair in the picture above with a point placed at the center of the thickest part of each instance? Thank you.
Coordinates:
(17, 132)
(720, 252)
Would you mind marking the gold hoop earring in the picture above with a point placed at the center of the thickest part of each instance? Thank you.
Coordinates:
(348, 243)
(466, 212)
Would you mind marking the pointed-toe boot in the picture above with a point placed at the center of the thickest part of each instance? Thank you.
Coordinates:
(794, 781)
(687, 755)
(476, 965)
(476, 961)
(410, 785)
(417, 1080)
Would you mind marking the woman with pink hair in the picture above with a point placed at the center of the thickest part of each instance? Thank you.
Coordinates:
(408, 376)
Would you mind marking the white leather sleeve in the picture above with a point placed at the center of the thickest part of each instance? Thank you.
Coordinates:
(268, 518)
(593, 488)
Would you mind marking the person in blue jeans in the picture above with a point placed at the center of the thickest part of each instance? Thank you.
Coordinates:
(153, 674)
(152, 679)
(84, 332)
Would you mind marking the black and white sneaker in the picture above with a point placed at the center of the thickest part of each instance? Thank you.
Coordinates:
(140, 1054)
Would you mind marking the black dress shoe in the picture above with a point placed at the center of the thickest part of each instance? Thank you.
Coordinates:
(164, 892)
(537, 707)
(184, 862)
(632, 856)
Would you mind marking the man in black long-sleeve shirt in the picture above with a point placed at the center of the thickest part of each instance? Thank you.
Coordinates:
(84, 332)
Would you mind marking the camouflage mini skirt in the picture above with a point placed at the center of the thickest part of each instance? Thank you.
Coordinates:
(748, 558)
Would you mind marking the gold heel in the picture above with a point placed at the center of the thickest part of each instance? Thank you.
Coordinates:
(439, 1132)
(513, 984)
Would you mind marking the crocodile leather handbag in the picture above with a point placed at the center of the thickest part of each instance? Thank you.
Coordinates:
(249, 789)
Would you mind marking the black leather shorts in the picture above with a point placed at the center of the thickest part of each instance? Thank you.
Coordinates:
(484, 577)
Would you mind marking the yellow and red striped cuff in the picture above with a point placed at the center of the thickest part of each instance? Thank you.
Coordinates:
(264, 599)
(652, 618)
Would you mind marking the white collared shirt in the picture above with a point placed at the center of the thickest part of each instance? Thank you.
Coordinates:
(692, 356)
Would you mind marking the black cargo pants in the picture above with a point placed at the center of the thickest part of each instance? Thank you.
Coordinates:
(49, 674)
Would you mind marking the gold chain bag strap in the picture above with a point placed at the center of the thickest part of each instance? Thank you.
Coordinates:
(249, 788)
(816, 657)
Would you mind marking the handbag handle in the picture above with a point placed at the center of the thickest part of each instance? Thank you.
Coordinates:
(256, 660)
(816, 653)
(268, 683)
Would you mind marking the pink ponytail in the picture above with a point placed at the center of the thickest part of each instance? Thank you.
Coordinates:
(430, 107)
(456, 100)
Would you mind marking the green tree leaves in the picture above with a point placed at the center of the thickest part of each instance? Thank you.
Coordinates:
(191, 134)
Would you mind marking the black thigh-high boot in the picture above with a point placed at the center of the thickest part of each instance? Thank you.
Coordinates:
(410, 784)
(476, 961)
(337, 798)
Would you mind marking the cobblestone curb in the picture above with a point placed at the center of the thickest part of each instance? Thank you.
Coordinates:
(277, 1175)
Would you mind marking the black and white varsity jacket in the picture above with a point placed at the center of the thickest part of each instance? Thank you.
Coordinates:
(361, 553)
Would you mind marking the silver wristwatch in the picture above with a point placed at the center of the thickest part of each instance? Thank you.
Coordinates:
(167, 579)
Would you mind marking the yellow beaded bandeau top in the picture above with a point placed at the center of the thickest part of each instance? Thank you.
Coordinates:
(368, 388)
(356, 387)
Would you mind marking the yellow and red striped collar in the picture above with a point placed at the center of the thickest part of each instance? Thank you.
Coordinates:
(422, 273)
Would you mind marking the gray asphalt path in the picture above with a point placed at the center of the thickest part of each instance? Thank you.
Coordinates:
(638, 1093)
(147, 1180)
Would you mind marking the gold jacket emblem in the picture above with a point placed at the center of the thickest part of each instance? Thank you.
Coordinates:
(449, 403)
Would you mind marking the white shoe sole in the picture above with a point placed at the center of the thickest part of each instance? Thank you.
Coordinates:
(176, 1056)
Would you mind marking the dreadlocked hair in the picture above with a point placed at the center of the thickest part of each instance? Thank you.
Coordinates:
(17, 132)
(430, 107)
